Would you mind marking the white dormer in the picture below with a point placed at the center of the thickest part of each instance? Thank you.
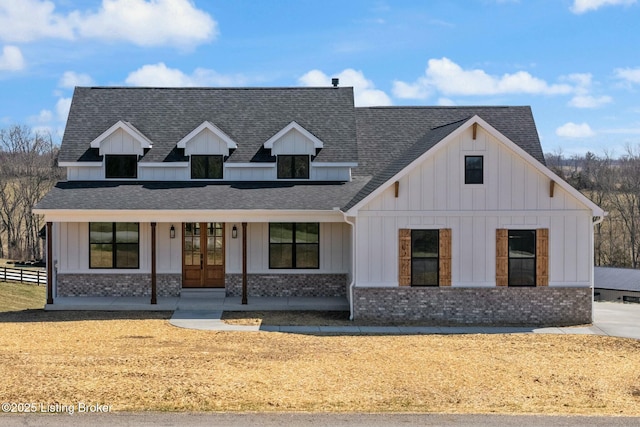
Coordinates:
(207, 139)
(121, 138)
(293, 139)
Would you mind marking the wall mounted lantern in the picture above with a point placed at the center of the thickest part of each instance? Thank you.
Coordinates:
(172, 232)
(234, 232)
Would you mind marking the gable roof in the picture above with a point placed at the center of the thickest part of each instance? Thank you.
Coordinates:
(383, 141)
(249, 116)
(390, 138)
(126, 127)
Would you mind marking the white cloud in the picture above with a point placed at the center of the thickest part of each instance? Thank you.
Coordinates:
(446, 102)
(141, 22)
(62, 109)
(364, 91)
(45, 116)
(631, 75)
(148, 23)
(28, 20)
(71, 79)
(583, 85)
(573, 130)
(447, 77)
(582, 6)
(11, 59)
(162, 76)
(589, 101)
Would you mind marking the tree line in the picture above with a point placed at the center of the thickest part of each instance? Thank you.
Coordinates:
(28, 170)
(613, 183)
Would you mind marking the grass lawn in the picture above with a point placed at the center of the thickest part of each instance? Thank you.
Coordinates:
(137, 361)
(19, 296)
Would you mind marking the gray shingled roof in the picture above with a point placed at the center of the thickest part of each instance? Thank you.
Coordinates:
(383, 140)
(250, 116)
(189, 195)
(619, 279)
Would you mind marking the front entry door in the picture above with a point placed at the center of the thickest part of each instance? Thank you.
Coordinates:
(203, 255)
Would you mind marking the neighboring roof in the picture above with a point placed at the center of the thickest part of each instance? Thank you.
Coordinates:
(619, 279)
(195, 195)
(250, 116)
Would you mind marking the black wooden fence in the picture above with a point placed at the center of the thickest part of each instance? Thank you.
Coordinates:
(35, 277)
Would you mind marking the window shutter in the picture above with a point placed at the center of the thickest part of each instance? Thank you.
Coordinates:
(444, 257)
(542, 257)
(404, 256)
(502, 257)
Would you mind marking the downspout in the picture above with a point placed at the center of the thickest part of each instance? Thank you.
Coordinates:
(593, 272)
(353, 263)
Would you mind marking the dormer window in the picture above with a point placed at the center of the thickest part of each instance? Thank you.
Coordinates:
(293, 167)
(206, 167)
(121, 166)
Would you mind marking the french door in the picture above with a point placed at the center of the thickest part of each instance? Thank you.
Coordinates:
(203, 255)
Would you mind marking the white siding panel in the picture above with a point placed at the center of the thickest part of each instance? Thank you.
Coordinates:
(473, 213)
(293, 142)
(85, 173)
(331, 173)
(335, 253)
(120, 142)
(168, 250)
(206, 142)
(163, 173)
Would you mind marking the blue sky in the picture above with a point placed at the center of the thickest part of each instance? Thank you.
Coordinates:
(575, 62)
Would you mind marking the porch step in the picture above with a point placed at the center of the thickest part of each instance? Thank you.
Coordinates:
(202, 293)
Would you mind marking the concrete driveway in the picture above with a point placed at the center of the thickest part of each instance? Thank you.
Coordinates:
(616, 319)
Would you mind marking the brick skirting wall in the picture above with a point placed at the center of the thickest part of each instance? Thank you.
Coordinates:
(117, 285)
(288, 285)
(475, 306)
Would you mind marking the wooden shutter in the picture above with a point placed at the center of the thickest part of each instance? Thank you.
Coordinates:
(502, 257)
(444, 260)
(404, 256)
(542, 257)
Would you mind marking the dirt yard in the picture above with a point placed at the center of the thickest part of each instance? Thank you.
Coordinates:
(137, 361)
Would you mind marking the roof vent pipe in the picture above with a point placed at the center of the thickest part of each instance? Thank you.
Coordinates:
(335, 82)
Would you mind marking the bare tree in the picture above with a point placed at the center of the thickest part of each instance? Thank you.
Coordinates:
(27, 171)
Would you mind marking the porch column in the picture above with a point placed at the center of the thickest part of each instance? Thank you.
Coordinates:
(244, 263)
(49, 263)
(154, 298)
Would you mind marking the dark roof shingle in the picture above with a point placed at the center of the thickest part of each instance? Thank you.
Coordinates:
(250, 116)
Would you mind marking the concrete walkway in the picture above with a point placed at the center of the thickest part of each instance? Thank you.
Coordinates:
(613, 319)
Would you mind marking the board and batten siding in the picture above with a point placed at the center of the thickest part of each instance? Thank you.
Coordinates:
(514, 195)
(120, 142)
(71, 249)
(335, 252)
(206, 142)
(293, 142)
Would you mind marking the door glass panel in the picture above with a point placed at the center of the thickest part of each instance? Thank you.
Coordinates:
(215, 243)
(192, 244)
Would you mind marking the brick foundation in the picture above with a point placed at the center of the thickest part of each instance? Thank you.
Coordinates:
(542, 306)
(288, 285)
(117, 285)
